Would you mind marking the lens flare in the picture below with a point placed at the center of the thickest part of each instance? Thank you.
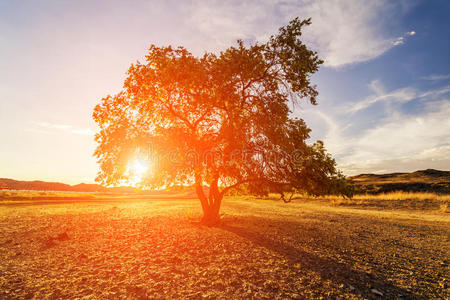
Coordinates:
(136, 171)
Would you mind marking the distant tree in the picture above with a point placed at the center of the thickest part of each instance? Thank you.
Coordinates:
(307, 169)
(218, 120)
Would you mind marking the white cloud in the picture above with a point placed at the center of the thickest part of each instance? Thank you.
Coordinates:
(435, 93)
(343, 32)
(400, 141)
(401, 95)
(436, 77)
(376, 86)
(65, 127)
(407, 164)
(399, 41)
(402, 135)
(435, 158)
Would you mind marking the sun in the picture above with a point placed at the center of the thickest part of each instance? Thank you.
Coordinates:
(136, 171)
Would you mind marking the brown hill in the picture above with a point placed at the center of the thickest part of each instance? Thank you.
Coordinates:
(434, 181)
(37, 185)
(429, 180)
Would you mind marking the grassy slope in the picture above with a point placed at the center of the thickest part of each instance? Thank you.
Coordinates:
(396, 200)
(264, 249)
(433, 181)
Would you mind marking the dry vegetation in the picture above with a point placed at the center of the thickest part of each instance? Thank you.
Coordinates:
(430, 180)
(12, 196)
(144, 246)
(396, 200)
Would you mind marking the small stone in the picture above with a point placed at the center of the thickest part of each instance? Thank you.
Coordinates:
(376, 292)
(49, 243)
(62, 237)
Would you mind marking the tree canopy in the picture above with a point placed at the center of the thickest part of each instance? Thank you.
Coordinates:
(220, 120)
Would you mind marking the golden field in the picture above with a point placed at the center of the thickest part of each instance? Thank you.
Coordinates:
(145, 246)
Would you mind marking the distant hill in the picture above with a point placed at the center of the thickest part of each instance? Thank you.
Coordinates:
(429, 180)
(37, 185)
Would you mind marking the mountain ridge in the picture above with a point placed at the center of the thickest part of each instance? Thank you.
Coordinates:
(39, 185)
(429, 180)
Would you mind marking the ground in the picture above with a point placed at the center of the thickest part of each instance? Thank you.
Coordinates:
(140, 248)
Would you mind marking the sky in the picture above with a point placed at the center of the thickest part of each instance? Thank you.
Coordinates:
(384, 89)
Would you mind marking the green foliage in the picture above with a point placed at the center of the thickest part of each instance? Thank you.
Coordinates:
(310, 170)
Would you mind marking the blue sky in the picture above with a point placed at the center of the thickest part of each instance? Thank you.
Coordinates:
(384, 102)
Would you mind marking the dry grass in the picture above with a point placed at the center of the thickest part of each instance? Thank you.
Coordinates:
(265, 249)
(396, 200)
(48, 197)
(399, 196)
(39, 195)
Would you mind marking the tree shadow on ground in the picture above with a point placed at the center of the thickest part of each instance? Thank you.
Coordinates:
(327, 268)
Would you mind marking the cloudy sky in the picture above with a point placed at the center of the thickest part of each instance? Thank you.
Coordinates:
(384, 103)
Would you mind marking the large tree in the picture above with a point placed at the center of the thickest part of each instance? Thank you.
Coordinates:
(219, 120)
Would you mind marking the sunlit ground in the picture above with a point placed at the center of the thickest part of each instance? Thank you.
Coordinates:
(135, 248)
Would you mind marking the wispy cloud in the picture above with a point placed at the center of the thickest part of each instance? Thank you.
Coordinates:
(402, 135)
(401, 39)
(401, 95)
(398, 41)
(400, 140)
(343, 32)
(63, 127)
(434, 158)
(436, 77)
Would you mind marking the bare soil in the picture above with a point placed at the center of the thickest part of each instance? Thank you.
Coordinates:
(264, 249)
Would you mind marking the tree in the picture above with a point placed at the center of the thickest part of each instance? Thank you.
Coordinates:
(309, 169)
(217, 120)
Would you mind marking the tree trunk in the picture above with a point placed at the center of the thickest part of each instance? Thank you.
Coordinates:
(210, 204)
(210, 217)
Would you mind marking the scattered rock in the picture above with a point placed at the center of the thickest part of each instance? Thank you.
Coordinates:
(6, 242)
(62, 237)
(82, 256)
(163, 257)
(49, 243)
(56, 294)
(376, 292)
